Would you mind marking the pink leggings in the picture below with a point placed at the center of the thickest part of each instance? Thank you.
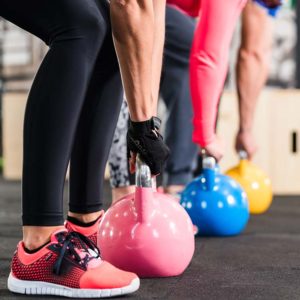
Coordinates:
(209, 62)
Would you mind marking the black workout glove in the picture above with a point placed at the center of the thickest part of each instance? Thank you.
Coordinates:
(144, 139)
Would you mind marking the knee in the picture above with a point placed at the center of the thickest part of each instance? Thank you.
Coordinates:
(94, 28)
(86, 30)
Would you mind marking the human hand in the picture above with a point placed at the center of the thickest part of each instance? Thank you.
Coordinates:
(215, 148)
(245, 140)
(143, 138)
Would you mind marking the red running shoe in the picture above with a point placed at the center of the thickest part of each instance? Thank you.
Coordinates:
(91, 232)
(61, 268)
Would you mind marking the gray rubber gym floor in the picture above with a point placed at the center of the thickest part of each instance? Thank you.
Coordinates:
(262, 263)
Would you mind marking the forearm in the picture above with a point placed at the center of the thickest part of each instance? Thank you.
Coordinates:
(249, 84)
(206, 72)
(247, 101)
(251, 74)
(157, 56)
(253, 62)
(133, 32)
(209, 60)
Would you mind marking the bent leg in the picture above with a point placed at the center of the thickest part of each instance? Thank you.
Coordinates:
(95, 132)
(74, 31)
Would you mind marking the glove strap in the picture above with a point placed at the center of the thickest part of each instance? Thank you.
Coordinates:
(145, 126)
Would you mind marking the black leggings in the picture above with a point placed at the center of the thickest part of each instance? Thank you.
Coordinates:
(72, 107)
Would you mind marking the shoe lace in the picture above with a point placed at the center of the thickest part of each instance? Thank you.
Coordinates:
(68, 246)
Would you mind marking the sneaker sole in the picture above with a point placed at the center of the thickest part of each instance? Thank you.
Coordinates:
(45, 288)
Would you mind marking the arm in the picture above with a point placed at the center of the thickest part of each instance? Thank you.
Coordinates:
(208, 68)
(252, 71)
(157, 55)
(138, 31)
(133, 32)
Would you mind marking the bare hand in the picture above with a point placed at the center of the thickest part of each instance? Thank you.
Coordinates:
(215, 149)
(245, 141)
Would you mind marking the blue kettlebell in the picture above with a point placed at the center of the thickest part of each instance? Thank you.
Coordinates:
(217, 204)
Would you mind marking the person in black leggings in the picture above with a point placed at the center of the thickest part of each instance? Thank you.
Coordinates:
(73, 87)
(71, 114)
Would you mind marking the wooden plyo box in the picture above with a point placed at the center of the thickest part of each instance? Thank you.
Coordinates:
(277, 131)
(13, 108)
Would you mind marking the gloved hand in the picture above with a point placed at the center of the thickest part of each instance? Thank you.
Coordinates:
(143, 138)
(271, 3)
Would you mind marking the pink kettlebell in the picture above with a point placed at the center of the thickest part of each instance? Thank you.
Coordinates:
(146, 232)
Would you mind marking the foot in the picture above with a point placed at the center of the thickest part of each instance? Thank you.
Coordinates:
(90, 232)
(61, 268)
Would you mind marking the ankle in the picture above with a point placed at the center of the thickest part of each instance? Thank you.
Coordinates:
(34, 244)
(86, 218)
(37, 236)
(77, 222)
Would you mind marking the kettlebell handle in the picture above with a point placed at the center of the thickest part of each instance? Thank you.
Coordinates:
(209, 171)
(142, 174)
(242, 154)
(208, 162)
(143, 199)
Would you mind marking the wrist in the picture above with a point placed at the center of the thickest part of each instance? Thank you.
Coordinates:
(143, 110)
(246, 129)
(140, 117)
(145, 126)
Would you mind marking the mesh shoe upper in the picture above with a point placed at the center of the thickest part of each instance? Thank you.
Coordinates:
(63, 262)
